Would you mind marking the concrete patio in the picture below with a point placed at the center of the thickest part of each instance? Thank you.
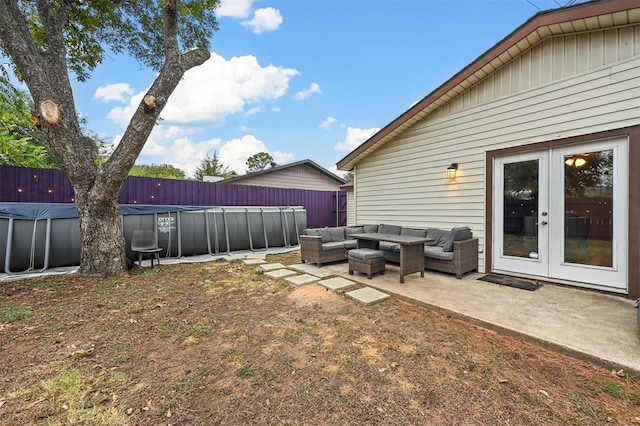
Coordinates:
(597, 327)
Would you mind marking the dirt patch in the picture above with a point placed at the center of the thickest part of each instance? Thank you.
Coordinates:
(221, 343)
(311, 295)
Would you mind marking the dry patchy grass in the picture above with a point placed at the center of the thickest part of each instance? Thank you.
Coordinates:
(220, 343)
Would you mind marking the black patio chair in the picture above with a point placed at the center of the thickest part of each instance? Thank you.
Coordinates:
(144, 241)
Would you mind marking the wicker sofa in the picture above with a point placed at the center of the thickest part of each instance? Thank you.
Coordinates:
(452, 251)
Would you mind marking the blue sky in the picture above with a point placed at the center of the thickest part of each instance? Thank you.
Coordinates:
(302, 79)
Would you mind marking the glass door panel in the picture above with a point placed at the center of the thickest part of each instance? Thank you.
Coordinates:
(562, 213)
(591, 207)
(520, 201)
(588, 208)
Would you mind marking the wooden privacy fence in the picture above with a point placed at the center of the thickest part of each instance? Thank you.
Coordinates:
(29, 185)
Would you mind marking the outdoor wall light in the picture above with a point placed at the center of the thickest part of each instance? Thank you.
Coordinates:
(451, 171)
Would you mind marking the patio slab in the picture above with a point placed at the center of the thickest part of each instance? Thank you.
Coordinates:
(262, 256)
(272, 266)
(232, 257)
(254, 261)
(367, 295)
(338, 284)
(280, 273)
(597, 327)
(304, 279)
(310, 269)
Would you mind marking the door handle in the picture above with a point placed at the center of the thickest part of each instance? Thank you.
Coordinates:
(544, 222)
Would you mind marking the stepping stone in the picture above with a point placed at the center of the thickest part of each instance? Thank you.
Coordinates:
(307, 268)
(337, 284)
(254, 261)
(302, 279)
(280, 273)
(232, 257)
(272, 266)
(367, 295)
(262, 256)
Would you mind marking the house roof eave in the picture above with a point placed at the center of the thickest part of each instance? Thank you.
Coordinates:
(540, 26)
(306, 162)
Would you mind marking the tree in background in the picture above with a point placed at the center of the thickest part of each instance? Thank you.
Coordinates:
(259, 162)
(212, 166)
(165, 171)
(49, 41)
(21, 144)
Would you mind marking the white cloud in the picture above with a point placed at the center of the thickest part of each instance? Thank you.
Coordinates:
(216, 89)
(334, 169)
(354, 138)
(219, 88)
(306, 93)
(282, 158)
(254, 110)
(113, 92)
(326, 124)
(234, 153)
(266, 19)
(187, 155)
(234, 8)
(174, 145)
(122, 115)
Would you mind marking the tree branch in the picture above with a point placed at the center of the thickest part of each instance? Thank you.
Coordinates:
(145, 116)
(17, 42)
(170, 30)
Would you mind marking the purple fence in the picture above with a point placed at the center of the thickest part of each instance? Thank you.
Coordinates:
(28, 185)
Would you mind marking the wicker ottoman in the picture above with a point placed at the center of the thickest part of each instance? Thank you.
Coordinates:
(367, 261)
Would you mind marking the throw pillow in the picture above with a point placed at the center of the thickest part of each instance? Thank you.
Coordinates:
(370, 228)
(438, 236)
(414, 232)
(352, 230)
(457, 234)
(325, 234)
(389, 229)
(337, 234)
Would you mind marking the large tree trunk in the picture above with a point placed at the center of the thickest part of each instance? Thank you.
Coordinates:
(102, 241)
(97, 187)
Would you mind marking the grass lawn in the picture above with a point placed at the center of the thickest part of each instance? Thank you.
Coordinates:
(221, 344)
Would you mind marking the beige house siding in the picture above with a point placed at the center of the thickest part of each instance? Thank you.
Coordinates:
(553, 59)
(351, 210)
(299, 177)
(565, 86)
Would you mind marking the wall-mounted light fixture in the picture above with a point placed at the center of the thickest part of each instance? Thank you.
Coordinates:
(451, 171)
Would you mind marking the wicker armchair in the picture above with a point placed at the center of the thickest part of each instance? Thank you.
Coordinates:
(311, 251)
(465, 259)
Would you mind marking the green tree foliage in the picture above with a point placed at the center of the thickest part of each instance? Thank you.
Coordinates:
(165, 171)
(211, 166)
(49, 42)
(259, 162)
(21, 144)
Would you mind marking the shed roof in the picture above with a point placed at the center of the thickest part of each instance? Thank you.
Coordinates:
(306, 162)
(589, 16)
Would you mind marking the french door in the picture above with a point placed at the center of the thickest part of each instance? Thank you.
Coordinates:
(562, 214)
